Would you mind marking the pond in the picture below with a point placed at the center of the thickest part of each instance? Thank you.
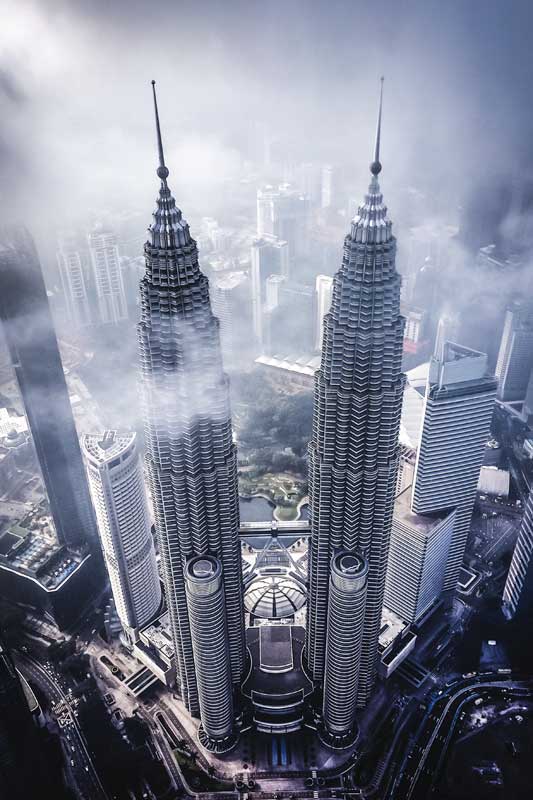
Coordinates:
(255, 509)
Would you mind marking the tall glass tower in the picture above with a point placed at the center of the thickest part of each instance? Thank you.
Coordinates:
(190, 454)
(29, 332)
(353, 454)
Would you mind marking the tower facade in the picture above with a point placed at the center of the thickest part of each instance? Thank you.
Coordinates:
(457, 414)
(117, 489)
(107, 274)
(518, 591)
(190, 455)
(31, 340)
(353, 454)
(515, 357)
(418, 558)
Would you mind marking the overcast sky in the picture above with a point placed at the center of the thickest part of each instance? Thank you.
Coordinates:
(76, 123)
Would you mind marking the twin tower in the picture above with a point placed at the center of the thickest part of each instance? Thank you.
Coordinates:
(192, 469)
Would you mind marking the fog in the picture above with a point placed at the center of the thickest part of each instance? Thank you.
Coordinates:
(76, 119)
(299, 79)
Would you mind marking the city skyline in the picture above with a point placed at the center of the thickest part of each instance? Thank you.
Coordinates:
(266, 471)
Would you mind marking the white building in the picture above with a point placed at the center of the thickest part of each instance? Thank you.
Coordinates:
(269, 256)
(518, 591)
(282, 211)
(324, 292)
(117, 489)
(515, 357)
(417, 559)
(457, 414)
(73, 281)
(105, 262)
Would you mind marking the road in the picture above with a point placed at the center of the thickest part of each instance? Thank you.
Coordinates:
(44, 676)
(422, 763)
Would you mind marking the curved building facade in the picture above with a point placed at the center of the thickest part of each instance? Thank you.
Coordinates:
(207, 616)
(117, 489)
(353, 454)
(190, 455)
(346, 614)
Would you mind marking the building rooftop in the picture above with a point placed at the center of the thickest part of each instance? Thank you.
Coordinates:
(104, 447)
(300, 364)
(159, 636)
(421, 523)
(391, 626)
(11, 422)
(27, 549)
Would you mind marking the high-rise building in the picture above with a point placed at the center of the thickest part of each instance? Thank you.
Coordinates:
(324, 290)
(107, 274)
(457, 414)
(282, 212)
(515, 357)
(191, 459)
(270, 256)
(74, 281)
(353, 454)
(230, 299)
(34, 353)
(418, 556)
(518, 590)
(117, 489)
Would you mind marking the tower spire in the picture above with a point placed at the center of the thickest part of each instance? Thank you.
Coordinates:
(375, 167)
(162, 170)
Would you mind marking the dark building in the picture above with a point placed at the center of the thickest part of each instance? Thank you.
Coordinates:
(31, 340)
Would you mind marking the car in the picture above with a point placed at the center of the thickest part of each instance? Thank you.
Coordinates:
(71, 762)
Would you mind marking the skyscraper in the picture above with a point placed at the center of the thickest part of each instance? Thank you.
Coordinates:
(515, 357)
(456, 422)
(73, 281)
(282, 212)
(353, 454)
(117, 488)
(105, 261)
(34, 353)
(417, 561)
(518, 591)
(270, 256)
(190, 455)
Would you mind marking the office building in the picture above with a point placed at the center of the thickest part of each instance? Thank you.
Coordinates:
(353, 454)
(323, 290)
(270, 256)
(230, 300)
(455, 428)
(418, 556)
(34, 354)
(107, 276)
(117, 489)
(518, 590)
(191, 459)
(74, 281)
(282, 212)
(515, 357)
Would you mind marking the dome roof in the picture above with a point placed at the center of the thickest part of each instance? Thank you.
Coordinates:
(274, 597)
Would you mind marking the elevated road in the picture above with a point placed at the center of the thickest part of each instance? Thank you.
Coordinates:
(85, 776)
